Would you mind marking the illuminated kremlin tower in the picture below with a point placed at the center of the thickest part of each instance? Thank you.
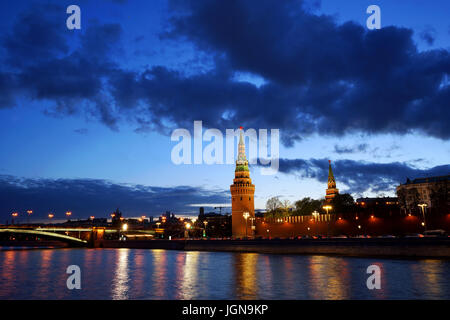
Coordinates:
(332, 191)
(242, 195)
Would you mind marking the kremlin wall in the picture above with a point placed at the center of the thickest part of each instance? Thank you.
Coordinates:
(367, 222)
(307, 226)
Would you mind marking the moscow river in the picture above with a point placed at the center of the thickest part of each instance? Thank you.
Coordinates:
(161, 274)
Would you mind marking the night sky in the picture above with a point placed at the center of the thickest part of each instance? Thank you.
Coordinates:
(86, 115)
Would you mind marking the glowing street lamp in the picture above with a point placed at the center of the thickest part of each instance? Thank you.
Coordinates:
(246, 215)
(315, 215)
(51, 215)
(327, 208)
(423, 206)
(186, 232)
(68, 214)
(124, 227)
(14, 215)
(29, 212)
(204, 230)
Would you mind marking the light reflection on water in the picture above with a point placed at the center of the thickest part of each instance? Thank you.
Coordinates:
(160, 274)
(120, 285)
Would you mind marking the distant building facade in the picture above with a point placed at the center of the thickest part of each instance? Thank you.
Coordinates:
(242, 196)
(331, 191)
(382, 201)
(432, 191)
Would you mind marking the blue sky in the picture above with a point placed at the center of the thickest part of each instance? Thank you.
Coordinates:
(92, 109)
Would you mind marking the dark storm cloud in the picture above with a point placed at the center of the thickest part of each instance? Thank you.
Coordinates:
(350, 79)
(36, 36)
(39, 64)
(87, 197)
(360, 176)
(320, 76)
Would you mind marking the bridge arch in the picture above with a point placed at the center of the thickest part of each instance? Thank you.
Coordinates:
(52, 235)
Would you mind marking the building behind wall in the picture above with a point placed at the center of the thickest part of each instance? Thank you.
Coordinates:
(432, 191)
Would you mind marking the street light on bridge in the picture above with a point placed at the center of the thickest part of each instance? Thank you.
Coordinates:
(68, 214)
(14, 215)
(51, 215)
(29, 212)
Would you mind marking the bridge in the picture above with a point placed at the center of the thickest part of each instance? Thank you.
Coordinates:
(50, 235)
(73, 236)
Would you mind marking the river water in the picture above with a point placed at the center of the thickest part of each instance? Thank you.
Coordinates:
(162, 274)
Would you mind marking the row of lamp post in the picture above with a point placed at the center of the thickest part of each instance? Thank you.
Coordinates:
(30, 212)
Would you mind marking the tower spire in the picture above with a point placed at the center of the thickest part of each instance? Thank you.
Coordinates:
(331, 181)
(332, 191)
(242, 159)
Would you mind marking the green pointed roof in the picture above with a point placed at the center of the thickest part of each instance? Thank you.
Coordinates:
(331, 181)
(241, 162)
(330, 171)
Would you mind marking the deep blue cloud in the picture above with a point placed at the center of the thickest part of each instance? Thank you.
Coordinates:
(86, 197)
(349, 79)
(36, 36)
(360, 176)
(320, 76)
(41, 65)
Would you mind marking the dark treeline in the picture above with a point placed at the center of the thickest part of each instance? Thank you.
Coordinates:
(342, 203)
